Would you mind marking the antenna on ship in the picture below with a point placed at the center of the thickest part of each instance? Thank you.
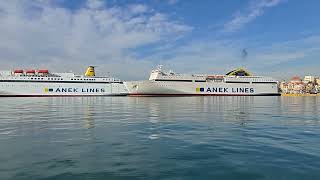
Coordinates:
(159, 67)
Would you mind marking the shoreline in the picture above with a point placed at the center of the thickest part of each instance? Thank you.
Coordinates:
(301, 95)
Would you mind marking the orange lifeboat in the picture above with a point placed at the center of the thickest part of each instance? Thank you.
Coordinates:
(18, 71)
(31, 71)
(215, 77)
(44, 71)
(211, 77)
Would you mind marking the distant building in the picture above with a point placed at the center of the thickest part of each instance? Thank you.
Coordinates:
(296, 85)
(309, 79)
(295, 79)
(284, 87)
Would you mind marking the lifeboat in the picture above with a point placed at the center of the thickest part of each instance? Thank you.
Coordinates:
(18, 71)
(31, 71)
(214, 77)
(44, 71)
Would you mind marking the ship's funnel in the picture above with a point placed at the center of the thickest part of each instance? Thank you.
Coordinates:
(239, 72)
(90, 71)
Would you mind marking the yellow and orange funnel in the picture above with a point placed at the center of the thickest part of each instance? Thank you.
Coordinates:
(90, 71)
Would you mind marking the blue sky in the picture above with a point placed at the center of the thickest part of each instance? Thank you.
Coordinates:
(127, 38)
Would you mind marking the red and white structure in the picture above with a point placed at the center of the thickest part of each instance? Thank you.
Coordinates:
(32, 82)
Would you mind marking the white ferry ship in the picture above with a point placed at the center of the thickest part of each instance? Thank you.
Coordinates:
(236, 83)
(44, 83)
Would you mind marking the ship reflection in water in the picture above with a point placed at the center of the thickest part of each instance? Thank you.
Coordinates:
(160, 138)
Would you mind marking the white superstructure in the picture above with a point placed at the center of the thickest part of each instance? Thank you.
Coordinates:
(44, 83)
(237, 82)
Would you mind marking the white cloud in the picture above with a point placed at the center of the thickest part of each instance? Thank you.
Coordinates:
(39, 34)
(220, 56)
(256, 8)
(138, 8)
(95, 4)
(171, 2)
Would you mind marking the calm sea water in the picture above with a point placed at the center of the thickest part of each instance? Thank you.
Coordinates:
(172, 138)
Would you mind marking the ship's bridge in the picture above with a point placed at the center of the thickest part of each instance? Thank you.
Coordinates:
(235, 76)
(161, 75)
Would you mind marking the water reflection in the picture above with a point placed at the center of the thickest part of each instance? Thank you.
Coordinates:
(89, 117)
(159, 138)
(227, 108)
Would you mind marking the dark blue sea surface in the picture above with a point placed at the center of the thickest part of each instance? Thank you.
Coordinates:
(170, 138)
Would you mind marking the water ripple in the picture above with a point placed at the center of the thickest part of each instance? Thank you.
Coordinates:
(160, 138)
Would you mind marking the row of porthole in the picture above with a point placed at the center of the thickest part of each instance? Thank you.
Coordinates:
(55, 79)
(90, 79)
(83, 79)
(266, 80)
(37, 78)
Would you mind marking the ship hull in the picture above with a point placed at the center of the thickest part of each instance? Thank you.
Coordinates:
(38, 89)
(169, 88)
